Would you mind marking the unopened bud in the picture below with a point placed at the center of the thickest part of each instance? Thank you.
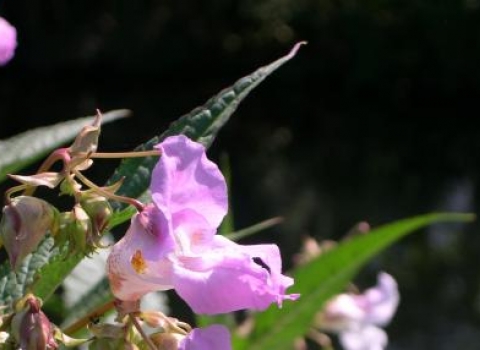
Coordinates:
(25, 222)
(76, 230)
(30, 326)
(99, 210)
(167, 341)
(109, 337)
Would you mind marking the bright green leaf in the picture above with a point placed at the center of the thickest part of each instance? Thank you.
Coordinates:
(326, 276)
(23, 149)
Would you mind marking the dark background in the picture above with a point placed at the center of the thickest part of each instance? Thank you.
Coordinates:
(375, 119)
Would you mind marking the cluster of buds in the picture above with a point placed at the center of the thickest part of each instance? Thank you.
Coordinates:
(27, 219)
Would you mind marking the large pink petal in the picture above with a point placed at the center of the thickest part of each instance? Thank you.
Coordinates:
(184, 178)
(192, 232)
(214, 337)
(230, 277)
(138, 263)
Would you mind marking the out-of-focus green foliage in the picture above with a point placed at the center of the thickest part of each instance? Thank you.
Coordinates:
(324, 277)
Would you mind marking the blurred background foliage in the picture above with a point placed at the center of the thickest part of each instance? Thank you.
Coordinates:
(373, 120)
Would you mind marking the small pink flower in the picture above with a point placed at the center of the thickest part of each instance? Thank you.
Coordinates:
(358, 318)
(8, 41)
(214, 337)
(173, 242)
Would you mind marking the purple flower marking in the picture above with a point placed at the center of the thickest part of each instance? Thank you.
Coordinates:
(8, 41)
(173, 242)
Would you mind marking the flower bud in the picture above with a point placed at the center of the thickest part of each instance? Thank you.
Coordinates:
(167, 341)
(109, 337)
(76, 228)
(30, 326)
(99, 210)
(25, 222)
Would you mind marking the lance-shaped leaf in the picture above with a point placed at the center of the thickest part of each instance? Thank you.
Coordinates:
(326, 276)
(201, 124)
(23, 149)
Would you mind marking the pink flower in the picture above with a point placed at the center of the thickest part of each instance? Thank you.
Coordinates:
(358, 318)
(173, 242)
(214, 337)
(8, 41)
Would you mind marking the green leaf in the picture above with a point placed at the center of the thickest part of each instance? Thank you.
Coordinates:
(326, 276)
(15, 285)
(201, 124)
(53, 272)
(23, 149)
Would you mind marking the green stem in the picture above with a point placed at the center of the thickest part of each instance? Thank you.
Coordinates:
(12, 190)
(134, 154)
(82, 322)
(139, 328)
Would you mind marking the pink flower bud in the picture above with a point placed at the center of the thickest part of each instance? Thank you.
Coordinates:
(31, 328)
(24, 223)
(167, 341)
(8, 41)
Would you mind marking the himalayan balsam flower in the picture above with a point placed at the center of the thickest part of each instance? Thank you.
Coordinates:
(8, 41)
(173, 242)
(358, 318)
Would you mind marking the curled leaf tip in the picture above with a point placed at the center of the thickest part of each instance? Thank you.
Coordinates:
(297, 46)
